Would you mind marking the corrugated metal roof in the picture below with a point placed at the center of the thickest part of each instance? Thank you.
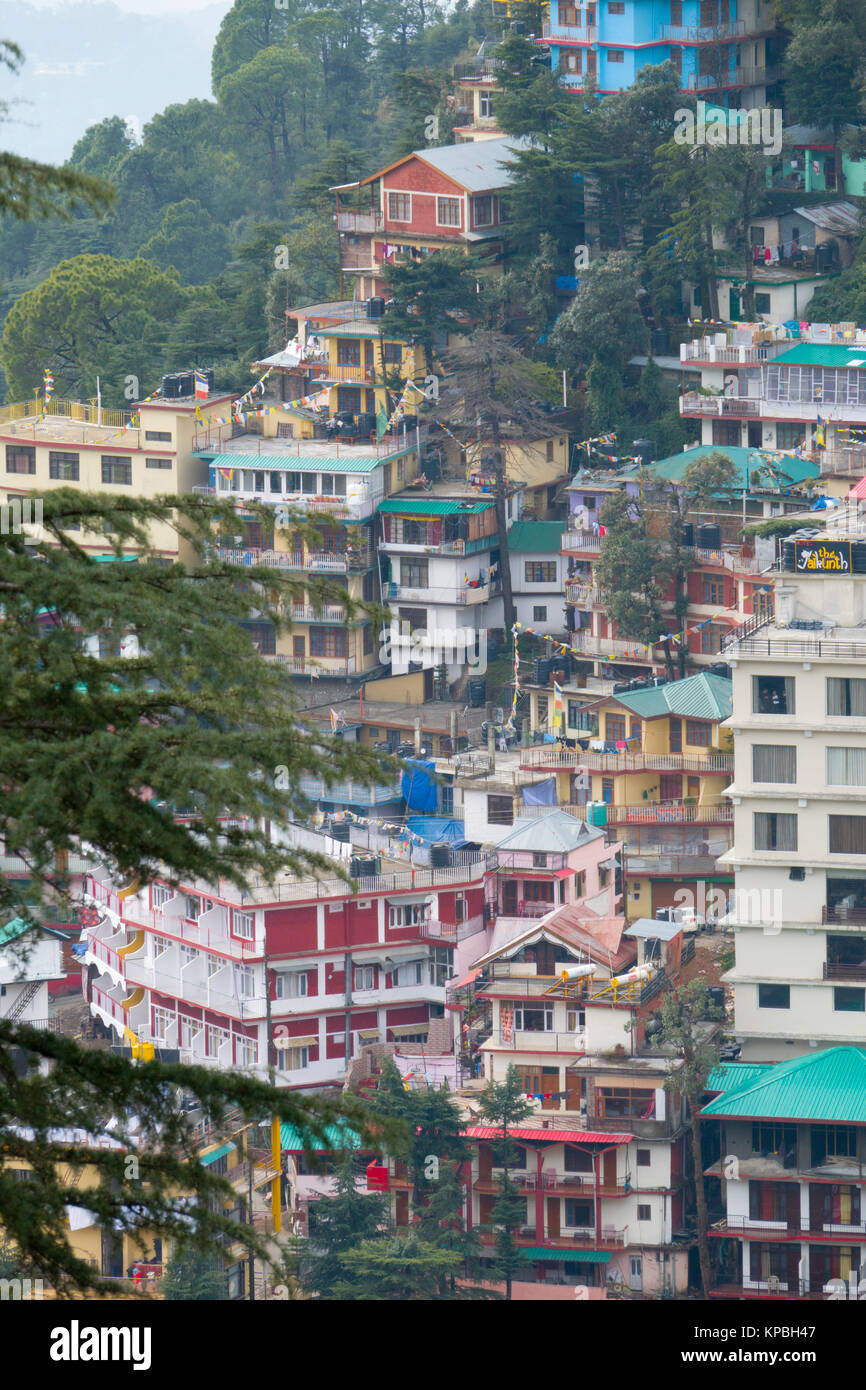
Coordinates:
(822, 355)
(703, 696)
(431, 506)
(745, 461)
(295, 463)
(477, 164)
(840, 217)
(649, 928)
(555, 833)
(858, 491)
(584, 1257)
(338, 1138)
(547, 1136)
(729, 1076)
(827, 1086)
(526, 536)
(11, 931)
(357, 328)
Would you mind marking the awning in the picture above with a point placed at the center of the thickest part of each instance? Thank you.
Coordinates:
(583, 1257)
(466, 980)
(405, 1030)
(398, 898)
(369, 1032)
(336, 1137)
(283, 1043)
(216, 1153)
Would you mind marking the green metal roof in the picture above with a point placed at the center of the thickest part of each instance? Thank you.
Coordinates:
(584, 1257)
(821, 355)
(729, 1076)
(703, 696)
(526, 536)
(338, 1137)
(745, 461)
(219, 1152)
(827, 1086)
(295, 463)
(10, 931)
(431, 506)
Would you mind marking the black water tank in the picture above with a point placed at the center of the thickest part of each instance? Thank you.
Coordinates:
(376, 307)
(186, 383)
(366, 423)
(709, 536)
(364, 866)
(644, 450)
(477, 691)
(660, 342)
(169, 387)
(541, 669)
(440, 855)
(210, 379)
(688, 533)
(340, 830)
(823, 257)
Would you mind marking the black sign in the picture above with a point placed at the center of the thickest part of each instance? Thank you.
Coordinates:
(823, 557)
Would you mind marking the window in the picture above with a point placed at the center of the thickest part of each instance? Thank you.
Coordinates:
(614, 728)
(762, 303)
(711, 639)
(292, 984)
(770, 1140)
(332, 642)
(616, 7)
(537, 892)
(213, 1039)
(847, 834)
(773, 764)
(849, 1001)
(726, 432)
(116, 470)
(699, 734)
(63, 467)
(644, 1211)
(714, 591)
(364, 977)
(158, 463)
(534, 1018)
(676, 12)
(158, 436)
(243, 925)
(408, 914)
(833, 1141)
(539, 861)
(400, 207)
(213, 965)
(774, 996)
(246, 1052)
(539, 571)
(776, 830)
(448, 212)
(846, 767)
(789, 436)
(628, 1102)
(162, 1021)
(20, 458)
(500, 810)
(756, 236)
(773, 695)
(482, 208)
(187, 955)
(580, 883)
(416, 618)
(297, 1058)
(575, 1020)
(160, 894)
(415, 574)
(579, 1213)
(245, 981)
(187, 1028)
(160, 946)
(846, 696)
(644, 1158)
(539, 614)
(393, 353)
(410, 973)
(615, 55)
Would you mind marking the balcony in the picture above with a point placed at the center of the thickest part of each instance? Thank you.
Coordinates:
(842, 974)
(687, 865)
(351, 793)
(806, 650)
(608, 1238)
(343, 371)
(322, 561)
(712, 33)
(457, 598)
(522, 1040)
(795, 1229)
(297, 890)
(313, 666)
(704, 351)
(583, 595)
(588, 644)
(481, 70)
(358, 501)
(574, 542)
(733, 77)
(194, 992)
(348, 221)
(549, 757)
(587, 33)
(433, 930)
(657, 813)
(736, 407)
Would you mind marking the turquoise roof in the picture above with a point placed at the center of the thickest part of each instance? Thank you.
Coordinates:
(583, 1257)
(784, 471)
(11, 931)
(828, 1087)
(702, 696)
(431, 506)
(822, 355)
(301, 463)
(528, 536)
(338, 1137)
(728, 1076)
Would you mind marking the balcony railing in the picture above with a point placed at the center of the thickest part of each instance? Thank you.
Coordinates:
(732, 77)
(587, 33)
(303, 613)
(841, 973)
(703, 350)
(348, 221)
(655, 813)
(548, 756)
(805, 650)
(579, 540)
(742, 407)
(433, 930)
(844, 916)
(313, 666)
(292, 560)
(794, 1228)
(459, 598)
(339, 371)
(686, 864)
(712, 33)
(585, 595)
(482, 69)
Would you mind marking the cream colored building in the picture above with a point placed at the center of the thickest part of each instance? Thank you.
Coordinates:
(799, 798)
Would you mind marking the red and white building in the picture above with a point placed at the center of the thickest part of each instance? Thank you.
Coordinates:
(301, 974)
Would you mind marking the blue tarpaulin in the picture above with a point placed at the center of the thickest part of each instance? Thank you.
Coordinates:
(541, 793)
(433, 828)
(418, 787)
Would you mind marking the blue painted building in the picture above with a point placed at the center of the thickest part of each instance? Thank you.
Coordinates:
(724, 48)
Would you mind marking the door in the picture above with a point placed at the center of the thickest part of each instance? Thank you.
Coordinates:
(733, 306)
(509, 898)
(299, 647)
(553, 1209)
(608, 1171)
(369, 369)
(485, 1163)
(401, 1208)
(676, 728)
(591, 62)
(635, 1273)
(670, 786)
(755, 432)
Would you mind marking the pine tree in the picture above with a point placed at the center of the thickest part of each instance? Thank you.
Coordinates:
(402, 1267)
(192, 1277)
(442, 1222)
(503, 1106)
(341, 1224)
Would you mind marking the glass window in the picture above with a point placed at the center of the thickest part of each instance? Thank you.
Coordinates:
(116, 470)
(243, 923)
(400, 207)
(20, 458)
(846, 767)
(846, 696)
(483, 207)
(773, 695)
(771, 763)
(615, 55)
(158, 436)
(364, 977)
(63, 467)
(776, 830)
(539, 571)
(847, 834)
(163, 463)
(539, 614)
(500, 810)
(849, 1001)
(699, 734)
(774, 996)
(291, 984)
(448, 212)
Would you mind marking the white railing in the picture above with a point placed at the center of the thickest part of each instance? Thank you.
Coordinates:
(458, 597)
(297, 890)
(354, 793)
(670, 815)
(580, 540)
(348, 221)
(548, 756)
(705, 33)
(740, 406)
(289, 560)
(586, 33)
(303, 613)
(314, 666)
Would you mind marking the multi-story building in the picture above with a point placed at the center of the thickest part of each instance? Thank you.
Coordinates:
(474, 98)
(601, 1164)
(554, 860)
(726, 49)
(28, 964)
(538, 570)
(799, 850)
(299, 974)
(449, 196)
(791, 1141)
(143, 453)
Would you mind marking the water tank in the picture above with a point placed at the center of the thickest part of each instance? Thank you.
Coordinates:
(663, 914)
(517, 26)
(824, 257)
(709, 536)
(169, 387)
(376, 307)
(210, 379)
(340, 830)
(644, 450)
(440, 855)
(541, 669)
(477, 692)
(186, 383)
(688, 533)
(660, 342)
(364, 865)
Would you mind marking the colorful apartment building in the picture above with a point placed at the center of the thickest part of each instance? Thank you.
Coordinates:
(29, 963)
(449, 196)
(553, 860)
(791, 1141)
(299, 974)
(474, 97)
(727, 49)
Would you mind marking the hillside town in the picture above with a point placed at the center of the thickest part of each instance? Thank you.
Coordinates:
(432, 712)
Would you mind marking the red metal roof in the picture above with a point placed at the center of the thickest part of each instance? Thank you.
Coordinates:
(549, 1136)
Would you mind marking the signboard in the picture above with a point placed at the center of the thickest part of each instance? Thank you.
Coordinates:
(823, 557)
